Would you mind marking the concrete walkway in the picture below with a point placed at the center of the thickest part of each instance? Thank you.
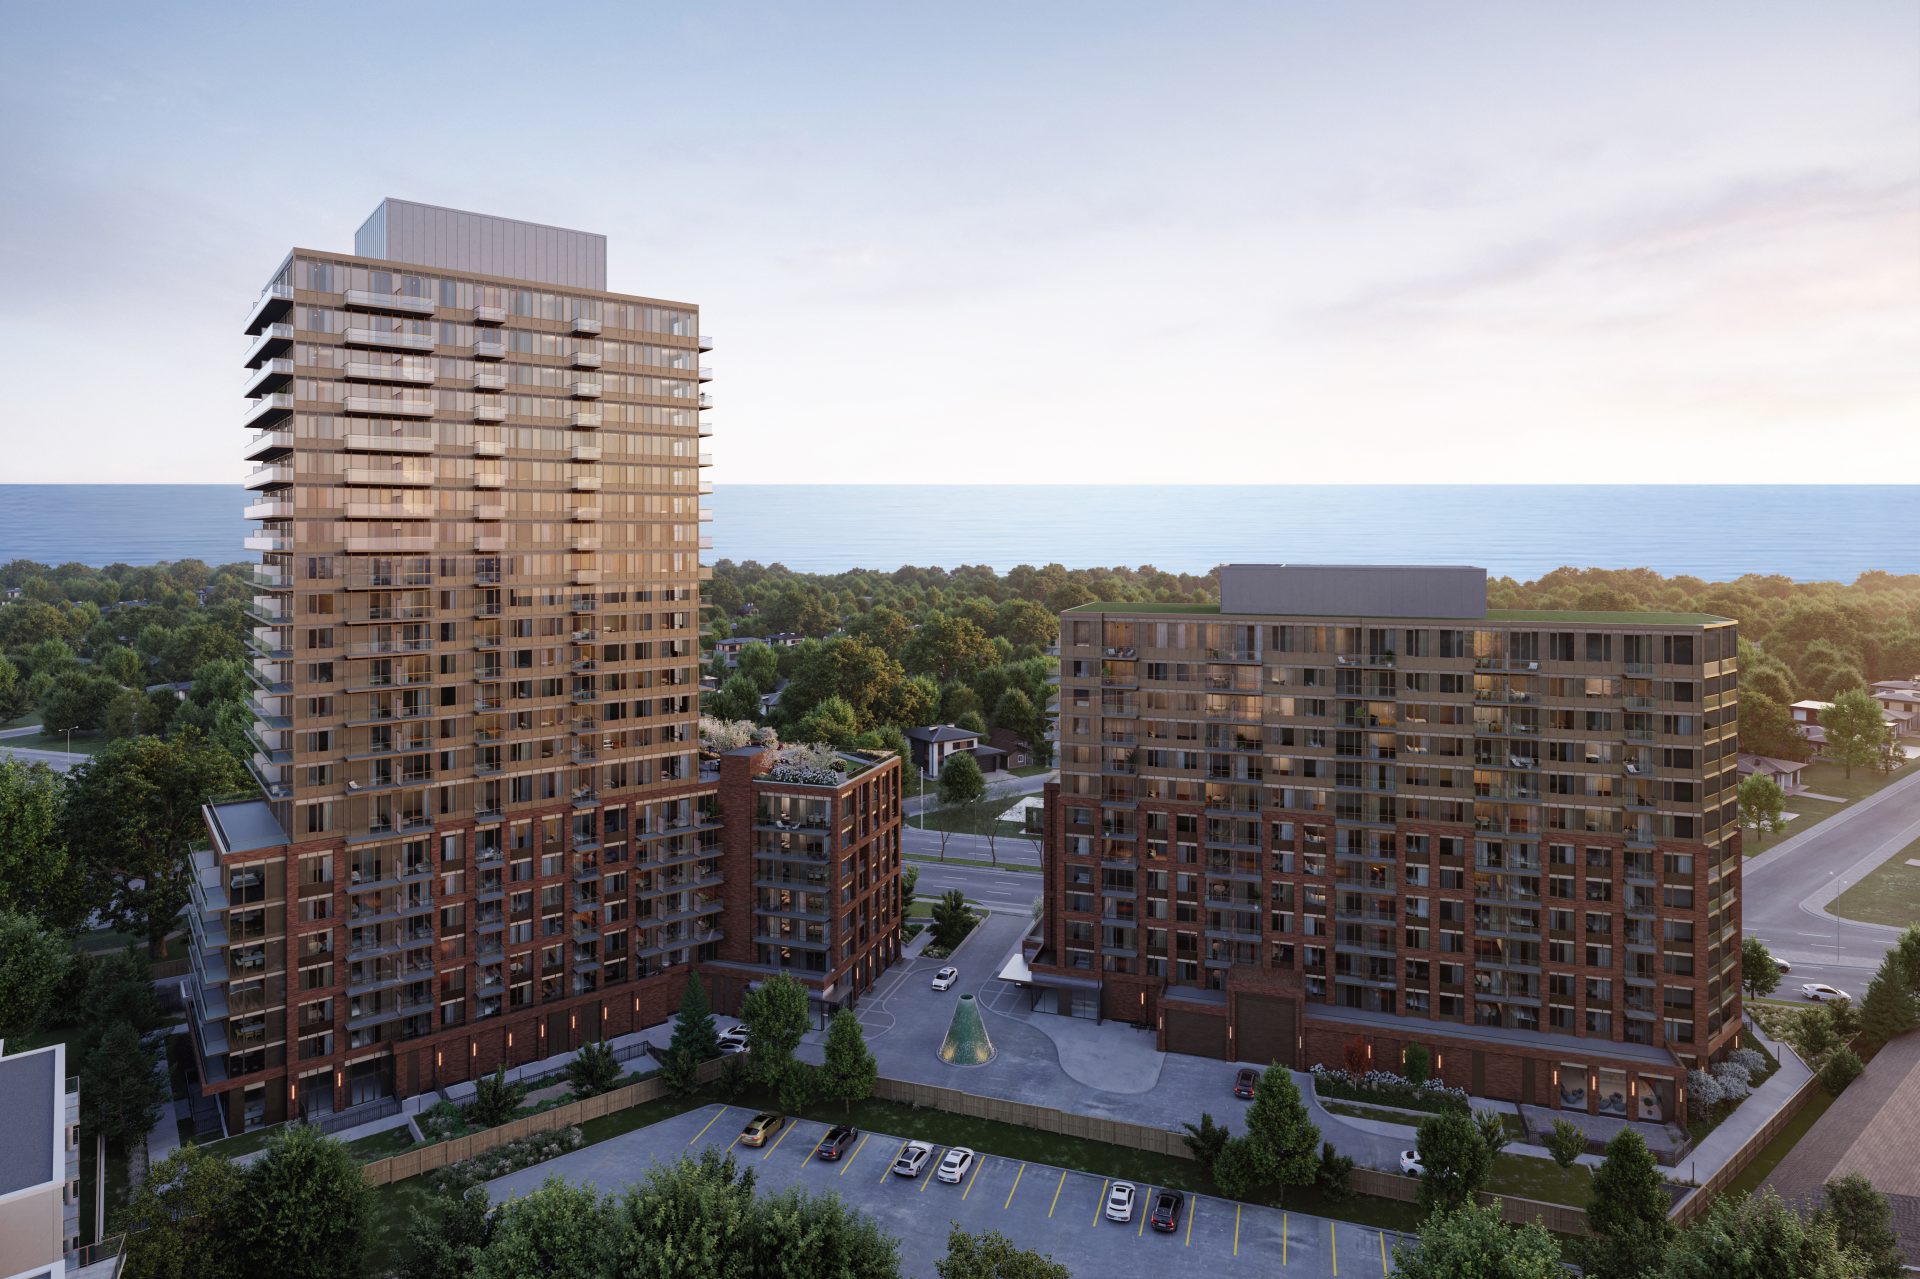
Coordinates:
(1748, 1117)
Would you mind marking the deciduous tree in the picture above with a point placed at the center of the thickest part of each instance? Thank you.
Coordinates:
(35, 878)
(1757, 1237)
(177, 1220)
(1856, 729)
(1278, 1127)
(1627, 1213)
(121, 1090)
(1759, 974)
(991, 1255)
(850, 1070)
(308, 1211)
(32, 962)
(1456, 1161)
(961, 781)
(1863, 1223)
(559, 1229)
(1761, 803)
(1472, 1242)
(775, 1015)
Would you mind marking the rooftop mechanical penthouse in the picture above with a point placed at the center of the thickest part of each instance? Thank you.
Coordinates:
(485, 831)
(1352, 807)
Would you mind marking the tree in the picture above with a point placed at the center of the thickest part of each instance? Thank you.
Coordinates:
(177, 1219)
(32, 962)
(1240, 1168)
(952, 919)
(1416, 1062)
(1759, 974)
(831, 721)
(801, 1235)
(1839, 1070)
(1333, 1178)
(775, 1015)
(309, 1212)
(1889, 1009)
(1627, 1213)
(119, 992)
(1814, 1033)
(445, 1238)
(1856, 729)
(1566, 1143)
(694, 1217)
(593, 1071)
(909, 880)
(961, 781)
(131, 814)
(991, 1255)
(1761, 803)
(1767, 727)
(759, 664)
(1205, 1140)
(1472, 1242)
(494, 1100)
(1025, 624)
(850, 1069)
(77, 699)
(1908, 948)
(1863, 1223)
(948, 648)
(1456, 1161)
(1846, 1018)
(735, 699)
(693, 1031)
(34, 875)
(14, 698)
(121, 1091)
(1278, 1127)
(1757, 1237)
(1493, 1132)
(559, 1229)
(1015, 712)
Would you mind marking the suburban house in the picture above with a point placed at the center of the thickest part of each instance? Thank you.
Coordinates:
(935, 744)
(1901, 700)
(1018, 753)
(730, 647)
(1787, 774)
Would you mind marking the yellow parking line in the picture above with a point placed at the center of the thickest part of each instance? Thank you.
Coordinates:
(1193, 1210)
(1100, 1203)
(1236, 1230)
(782, 1137)
(893, 1161)
(1383, 1254)
(710, 1123)
(808, 1148)
(979, 1162)
(933, 1167)
(1283, 1238)
(1334, 1234)
(1056, 1196)
(1140, 1201)
(856, 1152)
(1015, 1186)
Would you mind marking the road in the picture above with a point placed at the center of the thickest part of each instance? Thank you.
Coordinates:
(997, 784)
(1785, 889)
(58, 761)
(998, 890)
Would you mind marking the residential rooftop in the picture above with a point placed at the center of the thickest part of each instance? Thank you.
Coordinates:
(1575, 617)
(31, 1096)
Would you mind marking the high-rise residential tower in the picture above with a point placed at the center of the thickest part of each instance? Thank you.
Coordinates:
(487, 834)
(1352, 808)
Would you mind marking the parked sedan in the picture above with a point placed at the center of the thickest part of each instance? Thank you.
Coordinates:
(761, 1127)
(1411, 1165)
(733, 1040)
(1120, 1201)
(1166, 1211)
(1244, 1083)
(835, 1143)
(912, 1159)
(1820, 992)
(955, 1165)
(944, 979)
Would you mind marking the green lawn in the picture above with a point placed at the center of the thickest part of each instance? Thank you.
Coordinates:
(1889, 894)
(969, 822)
(933, 859)
(1032, 770)
(1526, 1177)
(1769, 1157)
(1516, 1130)
(83, 743)
(379, 1145)
(1825, 779)
(240, 1143)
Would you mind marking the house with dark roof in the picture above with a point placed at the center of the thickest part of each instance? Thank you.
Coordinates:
(935, 744)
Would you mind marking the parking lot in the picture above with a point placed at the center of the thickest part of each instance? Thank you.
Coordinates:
(1037, 1206)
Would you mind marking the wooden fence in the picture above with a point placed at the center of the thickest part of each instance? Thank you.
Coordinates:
(1560, 1218)
(1696, 1203)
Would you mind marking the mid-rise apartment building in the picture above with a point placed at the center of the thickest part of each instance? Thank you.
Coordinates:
(1351, 808)
(485, 832)
(39, 1162)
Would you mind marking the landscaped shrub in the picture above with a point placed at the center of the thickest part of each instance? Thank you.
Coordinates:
(1384, 1088)
(1732, 1078)
(443, 1122)
(507, 1157)
(1754, 1062)
(1333, 1177)
(1841, 1069)
(1703, 1093)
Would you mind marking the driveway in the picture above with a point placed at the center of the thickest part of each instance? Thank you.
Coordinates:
(1049, 1209)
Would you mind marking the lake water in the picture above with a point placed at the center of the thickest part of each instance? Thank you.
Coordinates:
(1715, 532)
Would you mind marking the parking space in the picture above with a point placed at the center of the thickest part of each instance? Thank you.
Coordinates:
(1046, 1208)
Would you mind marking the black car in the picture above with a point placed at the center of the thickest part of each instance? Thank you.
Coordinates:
(1243, 1083)
(835, 1143)
(1166, 1211)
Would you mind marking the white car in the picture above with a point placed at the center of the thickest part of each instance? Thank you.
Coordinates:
(912, 1159)
(1120, 1201)
(1820, 992)
(944, 979)
(955, 1165)
(733, 1040)
(1411, 1165)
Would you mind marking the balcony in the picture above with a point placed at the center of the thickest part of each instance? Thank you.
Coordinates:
(586, 390)
(489, 315)
(267, 542)
(274, 340)
(368, 371)
(489, 480)
(267, 410)
(272, 376)
(706, 373)
(387, 406)
(584, 453)
(584, 419)
(489, 412)
(586, 325)
(272, 475)
(273, 304)
(388, 339)
(489, 448)
(394, 542)
(486, 349)
(586, 484)
(393, 303)
(493, 381)
(389, 476)
(269, 444)
(490, 511)
(586, 577)
(706, 459)
(390, 444)
(584, 544)
(585, 513)
(272, 508)
(388, 511)
(706, 401)
(489, 542)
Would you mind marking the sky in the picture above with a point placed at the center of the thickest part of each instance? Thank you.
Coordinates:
(1064, 242)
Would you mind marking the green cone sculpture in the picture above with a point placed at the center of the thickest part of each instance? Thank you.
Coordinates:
(966, 1043)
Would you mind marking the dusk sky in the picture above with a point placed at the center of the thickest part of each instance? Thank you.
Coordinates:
(1094, 242)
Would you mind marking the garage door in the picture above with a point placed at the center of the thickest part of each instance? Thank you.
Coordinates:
(1266, 1030)
(1201, 1034)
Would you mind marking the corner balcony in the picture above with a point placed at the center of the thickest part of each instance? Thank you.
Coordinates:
(272, 508)
(584, 419)
(387, 406)
(273, 375)
(269, 444)
(388, 339)
(392, 303)
(389, 443)
(267, 542)
(586, 359)
(273, 304)
(267, 410)
(706, 459)
(586, 324)
(370, 371)
(489, 413)
(272, 475)
(706, 373)
(274, 340)
(486, 349)
(389, 476)
(706, 343)
(586, 390)
(494, 381)
(489, 315)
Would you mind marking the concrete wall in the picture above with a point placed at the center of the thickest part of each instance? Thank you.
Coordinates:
(1354, 590)
(32, 1230)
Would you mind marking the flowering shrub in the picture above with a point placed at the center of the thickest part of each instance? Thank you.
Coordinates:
(1704, 1092)
(443, 1121)
(1383, 1087)
(732, 734)
(1732, 1078)
(804, 775)
(1753, 1062)
(507, 1157)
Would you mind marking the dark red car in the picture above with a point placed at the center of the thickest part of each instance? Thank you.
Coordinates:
(1166, 1211)
(1243, 1083)
(835, 1143)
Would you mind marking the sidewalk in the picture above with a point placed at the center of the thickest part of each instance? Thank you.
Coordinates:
(1747, 1118)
